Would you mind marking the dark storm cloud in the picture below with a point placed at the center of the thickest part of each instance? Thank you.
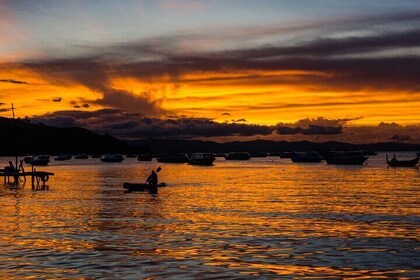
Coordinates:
(11, 81)
(314, 126)
(335, 46)
(311, 130)
(194, 127)
(325, 57)
(134, 125)
(96, 74)
(59, 121)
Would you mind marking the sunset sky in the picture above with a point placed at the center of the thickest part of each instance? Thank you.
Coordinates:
(218, 70)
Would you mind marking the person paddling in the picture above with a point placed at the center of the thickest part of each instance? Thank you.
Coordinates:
(152, 181)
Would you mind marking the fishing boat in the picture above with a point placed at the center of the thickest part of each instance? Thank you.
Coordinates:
(201, 159)
(61, 158)
(173, 158)
(41, 160)
(112, 158)
(81, 156)
(144, 157)
(238, 156)
(309, 157)
(259, 155)
(139, 187)
(402, 163)
(347, 158)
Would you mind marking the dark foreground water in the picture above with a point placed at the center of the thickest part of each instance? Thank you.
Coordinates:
(264, 218)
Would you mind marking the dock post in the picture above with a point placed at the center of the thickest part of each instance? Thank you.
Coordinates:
(32, 177)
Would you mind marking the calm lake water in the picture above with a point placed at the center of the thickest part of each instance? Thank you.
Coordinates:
(263, 218)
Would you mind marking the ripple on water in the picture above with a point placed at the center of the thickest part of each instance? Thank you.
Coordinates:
(265, 218)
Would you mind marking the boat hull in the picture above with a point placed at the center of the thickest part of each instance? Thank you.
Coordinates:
(306, 160)
(139, 187)
(202, 162)
(111, 160)
(403, 163)
(40, 162)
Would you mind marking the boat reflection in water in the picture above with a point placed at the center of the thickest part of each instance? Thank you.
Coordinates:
(236, 220)
(347, 158)
(402, 163)
(201, 159)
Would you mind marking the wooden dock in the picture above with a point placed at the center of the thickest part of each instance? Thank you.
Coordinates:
(38, 178)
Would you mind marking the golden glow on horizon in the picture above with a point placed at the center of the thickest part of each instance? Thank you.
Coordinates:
(210, 95)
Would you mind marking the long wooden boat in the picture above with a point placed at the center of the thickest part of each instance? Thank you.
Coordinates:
(139, 187)
(402, 163)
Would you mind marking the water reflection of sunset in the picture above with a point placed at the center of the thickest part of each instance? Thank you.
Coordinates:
(262, 217)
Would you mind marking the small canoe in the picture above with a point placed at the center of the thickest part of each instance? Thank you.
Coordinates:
(137, 187)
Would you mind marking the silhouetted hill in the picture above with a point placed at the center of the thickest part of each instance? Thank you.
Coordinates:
(190, 146)
(41, 139)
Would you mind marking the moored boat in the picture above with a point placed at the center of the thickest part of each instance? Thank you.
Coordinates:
(286, 154)
(144, 157)
(41, 160)
(112, 158)
(201, 159)
(81, 156)
(61, 158)
(173, 158)
(402, 163)
(259, 155)
(238, 156)
(347, 158)
(309, 157)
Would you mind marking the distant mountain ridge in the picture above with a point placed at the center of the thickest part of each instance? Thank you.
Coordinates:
(40, 139)
(190, 146)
